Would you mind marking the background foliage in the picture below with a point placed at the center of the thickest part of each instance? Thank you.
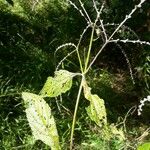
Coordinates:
(31, 31)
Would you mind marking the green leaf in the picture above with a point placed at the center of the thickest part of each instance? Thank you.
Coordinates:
(96, 110)
(41, 120)
(61, 83)
(145, 146)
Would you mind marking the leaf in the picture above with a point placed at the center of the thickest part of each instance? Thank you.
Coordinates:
(61, 83)
(96, 110)
(41, 120)
(145, 146)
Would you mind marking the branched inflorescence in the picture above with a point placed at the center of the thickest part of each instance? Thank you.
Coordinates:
(142, 103)
(130, 41)
(100, 29)
(62, 46)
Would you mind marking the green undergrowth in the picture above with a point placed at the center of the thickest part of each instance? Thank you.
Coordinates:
(28, 38)
(16, 133)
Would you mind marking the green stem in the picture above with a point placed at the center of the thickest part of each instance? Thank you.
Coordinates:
(89, 50)
(79, 58)
(75, 114)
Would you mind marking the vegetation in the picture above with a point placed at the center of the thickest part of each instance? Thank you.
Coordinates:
(94, 57)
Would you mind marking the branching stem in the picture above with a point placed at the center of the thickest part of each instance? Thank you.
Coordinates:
(89, 50)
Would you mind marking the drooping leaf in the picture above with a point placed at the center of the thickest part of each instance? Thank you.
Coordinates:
(96, 110)
(40, 119)
(61, 83)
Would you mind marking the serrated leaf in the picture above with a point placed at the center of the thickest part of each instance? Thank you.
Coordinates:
(61, 83)
(96, 110)
(40, 119)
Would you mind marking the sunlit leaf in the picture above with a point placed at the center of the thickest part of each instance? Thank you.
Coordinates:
(96, 110)
(61, 83)
(41, 120)
(145, 146)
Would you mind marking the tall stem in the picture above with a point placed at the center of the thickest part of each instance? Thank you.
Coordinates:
(79, 58)
(75, 114)
(89, 50)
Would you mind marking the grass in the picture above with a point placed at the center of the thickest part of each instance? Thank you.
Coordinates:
(16, 134)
